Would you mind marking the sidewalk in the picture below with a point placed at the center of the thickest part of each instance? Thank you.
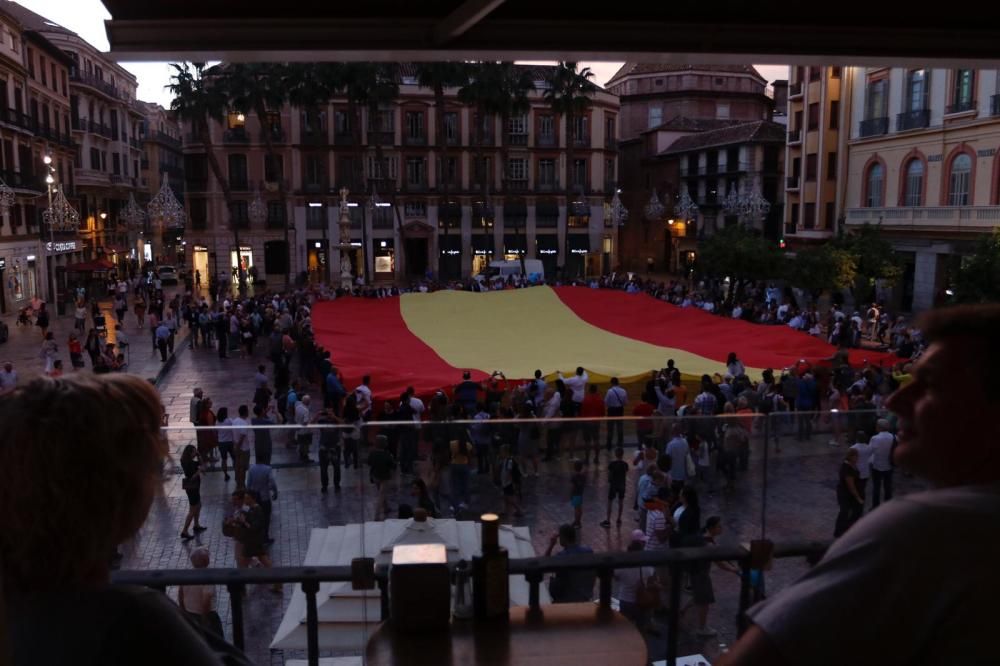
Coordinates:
(24, 343)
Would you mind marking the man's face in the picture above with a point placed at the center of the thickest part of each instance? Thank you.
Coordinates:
(947, 425)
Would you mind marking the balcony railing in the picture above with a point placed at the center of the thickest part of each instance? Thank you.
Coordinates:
(381, 138)
(518, 139)
(795, 89)
(793, 182)
(995, 105)
(972, 219)
(483, 140)
(235, 135)
(534, 569)
(276, 134)
(239, 185)
(99, 128)
(163, 137)
(343, 139)
(516, 184)
(581, 142)
(314, 138)
(547, 185)
(316, 187)
(171, 169)
(873, 127)
(414, 139)
(22, 181)
(610, 144)
(916, 119)
(546, 140)
(415, 185)
(962, 106)
(96, 83)
(795, 135)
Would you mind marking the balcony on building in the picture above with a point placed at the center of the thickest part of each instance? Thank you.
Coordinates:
(171, 170)
(381, 138)
(610, 186)
(795, 135)
(314, 136)
(144, 163)
(873, 127)
(99, 128)
(917, 119)
(547, 185)
(546, 141)
(954, 219)
(236, 135)
(581, 141)
(484, 139)
(517, 138)
(342, 137)
(995, 105)
(275, 133)
(516, 185)
(793, 182)
(165, 138)
(76, 124)
(409, 139)
(610, 143)
(962, 106)
(92, 81)
(417, 185)
(23, 181)
(795, 89)
(316, 187)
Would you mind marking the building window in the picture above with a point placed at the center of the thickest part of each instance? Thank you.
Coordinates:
(517, 168)
(547, 128)
(95, 159)
(655, 116)
(517, 124)
(315, 216)
(580, 174)
(831, 166)
(913, 189)
(314, 170)
(236, 120)
(831, 211)
(415, 209)
(415, 124)
(875, 183)
(275, 214)
(547, 173)
(238, 214)
(609, 172)
(916, 90)
(198, 210)
(450, 175)
(835, 72)
(834, 114)
(116, 164)
(958, 180)
(722, 110)
(451, 127)
(811, 167)
(609, 129)
(814, 115)
(238, 171)
(415, 172)
(580, 132)
(876, 99)
(814, 73)
(273, 168)
(385, 119)
(809, 211)
(963, 91)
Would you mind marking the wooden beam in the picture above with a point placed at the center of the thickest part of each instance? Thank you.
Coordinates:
(466, 15)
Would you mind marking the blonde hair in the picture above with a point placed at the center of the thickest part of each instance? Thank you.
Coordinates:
(79, 461)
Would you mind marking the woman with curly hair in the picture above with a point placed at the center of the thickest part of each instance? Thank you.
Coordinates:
(80, 464)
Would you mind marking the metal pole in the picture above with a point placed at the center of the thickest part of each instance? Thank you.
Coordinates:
(763, 492)
(52, 260)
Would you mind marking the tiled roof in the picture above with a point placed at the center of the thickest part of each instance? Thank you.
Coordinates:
(685, 124)
(755, 131)
(29, 20)
(667, 68)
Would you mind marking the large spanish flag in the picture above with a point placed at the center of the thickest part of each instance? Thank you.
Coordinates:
(428, 340)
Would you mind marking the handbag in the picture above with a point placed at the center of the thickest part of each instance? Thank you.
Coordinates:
(647, 593)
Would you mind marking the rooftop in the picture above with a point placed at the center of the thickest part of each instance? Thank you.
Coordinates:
(758, 131)
(632, 68)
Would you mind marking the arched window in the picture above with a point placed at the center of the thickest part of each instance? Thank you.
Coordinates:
(876, 185)
(913, 193)
(958, 181)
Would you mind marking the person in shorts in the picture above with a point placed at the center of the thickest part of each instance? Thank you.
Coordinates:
(617, 480)
(577, 483)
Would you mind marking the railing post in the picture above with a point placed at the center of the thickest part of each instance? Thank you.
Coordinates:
(605, 575)
(311, 587)
(534, 579)
(673, 621)
(236, 607)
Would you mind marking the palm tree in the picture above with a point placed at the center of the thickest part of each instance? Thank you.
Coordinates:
(261, 88)
(437, 76)
(568, 95)
(199, 99)
(514, 84)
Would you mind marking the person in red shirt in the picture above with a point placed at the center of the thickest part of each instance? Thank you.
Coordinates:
(591, 407)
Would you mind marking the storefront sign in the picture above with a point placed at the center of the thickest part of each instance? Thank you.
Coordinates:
(30, 257)
(578, 251)
(451, 253)
(61, 246)
(200, 248)
(3, 263)
(548, 252)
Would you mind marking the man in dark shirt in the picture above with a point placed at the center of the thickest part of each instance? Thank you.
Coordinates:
(570, 586)
(262, 437)
(329, 450)
(467, 393)
(380, 465)
(617, 480)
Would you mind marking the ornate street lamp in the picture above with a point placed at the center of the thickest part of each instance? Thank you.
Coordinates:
(685, 208)
(60, 215)
(745, 203)
(619, 213)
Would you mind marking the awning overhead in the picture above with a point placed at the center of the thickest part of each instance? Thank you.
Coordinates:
(891, 32)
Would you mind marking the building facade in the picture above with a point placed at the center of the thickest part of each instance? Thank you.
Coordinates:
(814, 185)
(678, 130)
(924, 166)
(162, 158)
(34, 123)
(422, 212)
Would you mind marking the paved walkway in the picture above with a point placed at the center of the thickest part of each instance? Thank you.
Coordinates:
(801, 504)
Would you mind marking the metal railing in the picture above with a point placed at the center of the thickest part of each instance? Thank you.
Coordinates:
(792, 182)
(873, 127)
(383, 138)
(794, 136)
(916, 119)
(414, 139)
(163, 137)
(534, 569)
(235, 135)
(517, 139)
(961, 106)
(546, 140)
(96, 82)
(995, 105)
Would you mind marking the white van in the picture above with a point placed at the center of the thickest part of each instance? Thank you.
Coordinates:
(502, 269)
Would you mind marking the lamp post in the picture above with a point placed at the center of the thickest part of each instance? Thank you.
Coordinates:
(59, 215)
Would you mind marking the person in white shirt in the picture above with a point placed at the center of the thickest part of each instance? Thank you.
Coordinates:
(577, 385)
(242, 444)
(678, 450)
(782, 311)
(303, 436)
(550, 410)
(796, 322)
(864, 449)
(363, 394)
(615, 400)
(882, 444)
(737, 312)
(8, 378)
